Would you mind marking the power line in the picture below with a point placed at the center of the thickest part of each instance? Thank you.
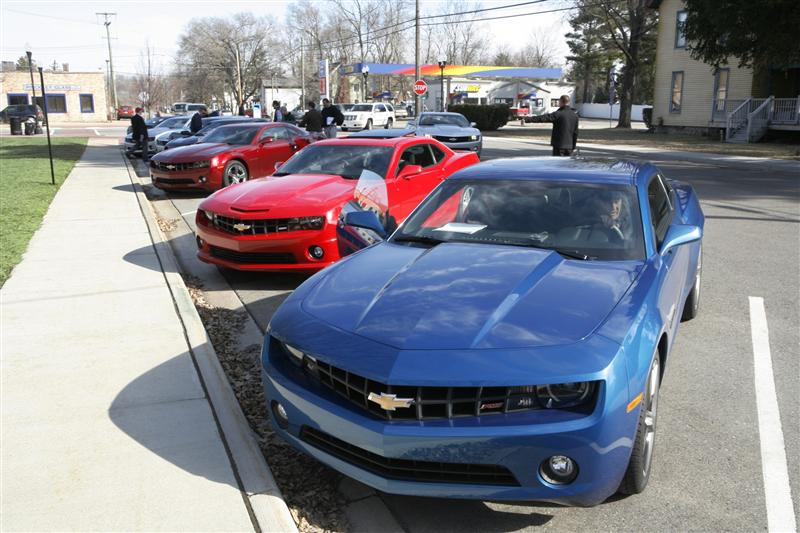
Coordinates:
(49, 16)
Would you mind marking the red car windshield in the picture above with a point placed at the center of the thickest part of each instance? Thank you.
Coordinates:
(238, 136)
(348, 161)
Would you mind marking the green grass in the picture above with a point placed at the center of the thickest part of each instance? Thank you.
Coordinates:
(26, 191)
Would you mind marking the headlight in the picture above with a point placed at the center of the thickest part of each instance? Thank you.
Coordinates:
(474, 137)
(214, 161)
(305, 223)
(562, 395)
(200, 164)
(300, 358)
(209, 215)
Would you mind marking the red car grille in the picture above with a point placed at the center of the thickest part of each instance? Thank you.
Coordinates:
(175, 181)
(176, 167)
(407, 469)
(252, 227)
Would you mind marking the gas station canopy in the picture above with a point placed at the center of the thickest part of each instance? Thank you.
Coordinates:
(396, 69)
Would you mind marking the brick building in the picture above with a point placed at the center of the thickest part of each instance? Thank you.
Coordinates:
(71, 96)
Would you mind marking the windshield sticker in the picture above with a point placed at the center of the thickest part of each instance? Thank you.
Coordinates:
(460, 227)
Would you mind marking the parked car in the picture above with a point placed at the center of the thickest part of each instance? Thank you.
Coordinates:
(230, 154)
(288, 222)
(125, 111)
(368, 116)
(453, 129)
(182, 108)
(185, 137)
(24, 112)
(166, 135)
(507, 342)
(179, 122)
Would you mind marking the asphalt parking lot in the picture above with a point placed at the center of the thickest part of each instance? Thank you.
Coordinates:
(708, 469)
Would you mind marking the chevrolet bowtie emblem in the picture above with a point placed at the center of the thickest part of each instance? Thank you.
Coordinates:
(242, 227)
(171, 167)
(389, 402)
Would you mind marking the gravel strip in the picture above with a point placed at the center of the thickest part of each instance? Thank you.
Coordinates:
(309, 487)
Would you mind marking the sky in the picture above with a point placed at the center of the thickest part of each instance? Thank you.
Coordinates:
(70, 31)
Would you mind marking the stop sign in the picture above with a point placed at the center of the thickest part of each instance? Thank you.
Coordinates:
(420, 87)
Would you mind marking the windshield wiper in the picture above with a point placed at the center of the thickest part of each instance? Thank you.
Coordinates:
(418, 238)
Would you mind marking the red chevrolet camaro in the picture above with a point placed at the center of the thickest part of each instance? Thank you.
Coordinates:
(287, 222)
(227, 155)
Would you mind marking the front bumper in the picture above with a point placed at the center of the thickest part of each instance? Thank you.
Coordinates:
(472, 146)
(187, 180)
(600, 443)
(284, 252)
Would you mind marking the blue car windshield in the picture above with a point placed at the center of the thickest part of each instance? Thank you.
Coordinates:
(348, 161)
(433, 119)
(586, 221)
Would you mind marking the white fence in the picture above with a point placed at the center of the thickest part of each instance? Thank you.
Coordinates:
(601, 111)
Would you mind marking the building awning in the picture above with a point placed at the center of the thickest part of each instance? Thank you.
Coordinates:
(397, 69)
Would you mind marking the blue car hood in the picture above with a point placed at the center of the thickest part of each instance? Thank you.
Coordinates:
(462, 296)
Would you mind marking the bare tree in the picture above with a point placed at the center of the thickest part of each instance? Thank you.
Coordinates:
(462, 42)
(241, 49)
(149, 81)
(538, 51)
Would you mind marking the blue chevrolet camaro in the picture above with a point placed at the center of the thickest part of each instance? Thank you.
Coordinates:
(507, 342)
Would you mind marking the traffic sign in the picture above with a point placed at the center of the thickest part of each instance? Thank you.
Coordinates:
(420, 87)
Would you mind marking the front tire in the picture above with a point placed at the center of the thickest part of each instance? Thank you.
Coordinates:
(368, 125)
(640, 465)
(692, 305)
(235, 172)
(388, 124)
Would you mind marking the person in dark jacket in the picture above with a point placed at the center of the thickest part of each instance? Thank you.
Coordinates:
(331, 117)
(312, 120)
(139, 133)
(197, 120)
(565, 127)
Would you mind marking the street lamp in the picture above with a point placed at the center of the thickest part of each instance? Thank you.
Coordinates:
(37, 128)
(365, 73)
(442, 64)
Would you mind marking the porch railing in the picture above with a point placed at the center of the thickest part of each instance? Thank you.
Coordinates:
(758, 120)
(785, 111)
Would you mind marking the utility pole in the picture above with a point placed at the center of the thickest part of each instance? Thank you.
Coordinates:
(239, 111)
(417, 97)
(302, 77)
(107, 23)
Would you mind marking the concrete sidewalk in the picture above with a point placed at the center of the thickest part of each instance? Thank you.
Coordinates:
(106, 423)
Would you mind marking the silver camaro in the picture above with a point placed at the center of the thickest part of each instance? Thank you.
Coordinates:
(452, 129)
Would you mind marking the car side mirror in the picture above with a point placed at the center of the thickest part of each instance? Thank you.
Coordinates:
(366, 220)
(473, 124)
(409, 171)
(680, 234)
(186, 133)
(266, 140)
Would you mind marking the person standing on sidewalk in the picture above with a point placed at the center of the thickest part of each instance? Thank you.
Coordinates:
(565, 127)
(277, 113)
(332, 117)
(312, 120)
(139, 132)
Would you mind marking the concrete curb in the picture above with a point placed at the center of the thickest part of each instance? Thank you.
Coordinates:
(785, 165)
(266, 505)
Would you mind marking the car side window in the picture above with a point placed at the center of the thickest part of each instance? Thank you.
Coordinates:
(380, 108)
(419, 154)
(660, 208)
(275, 133)
(438, 153)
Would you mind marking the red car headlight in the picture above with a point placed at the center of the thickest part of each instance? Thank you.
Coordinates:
(306, 223)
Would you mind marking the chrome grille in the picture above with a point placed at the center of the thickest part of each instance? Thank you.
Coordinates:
(177, 167)
(448, 139)
(253, 227)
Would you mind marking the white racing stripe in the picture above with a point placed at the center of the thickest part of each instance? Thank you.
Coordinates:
(777, 492)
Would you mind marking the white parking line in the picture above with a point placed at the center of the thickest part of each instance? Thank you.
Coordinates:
(96, 132)
(777, 492)
(189, 213)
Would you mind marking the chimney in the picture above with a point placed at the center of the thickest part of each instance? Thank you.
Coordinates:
(65, 67)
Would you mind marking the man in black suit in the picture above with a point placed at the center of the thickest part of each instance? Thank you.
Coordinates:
(197, 120)
(312, 120)
(139, 133)
(565, 127)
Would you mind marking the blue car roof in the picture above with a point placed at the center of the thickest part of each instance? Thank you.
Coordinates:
(588, 170)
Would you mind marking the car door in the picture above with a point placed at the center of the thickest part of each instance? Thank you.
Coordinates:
(380, 114)
(674, 263)
(409, 190)
(279, 149)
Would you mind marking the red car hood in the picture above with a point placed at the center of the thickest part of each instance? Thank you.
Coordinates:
(194, 152)
(285, 196)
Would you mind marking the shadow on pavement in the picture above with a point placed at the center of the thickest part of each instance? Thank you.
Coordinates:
(165, 410)
(439, 515)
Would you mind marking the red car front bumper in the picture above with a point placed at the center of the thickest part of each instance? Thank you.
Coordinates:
(207, 179)
(274, 252)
